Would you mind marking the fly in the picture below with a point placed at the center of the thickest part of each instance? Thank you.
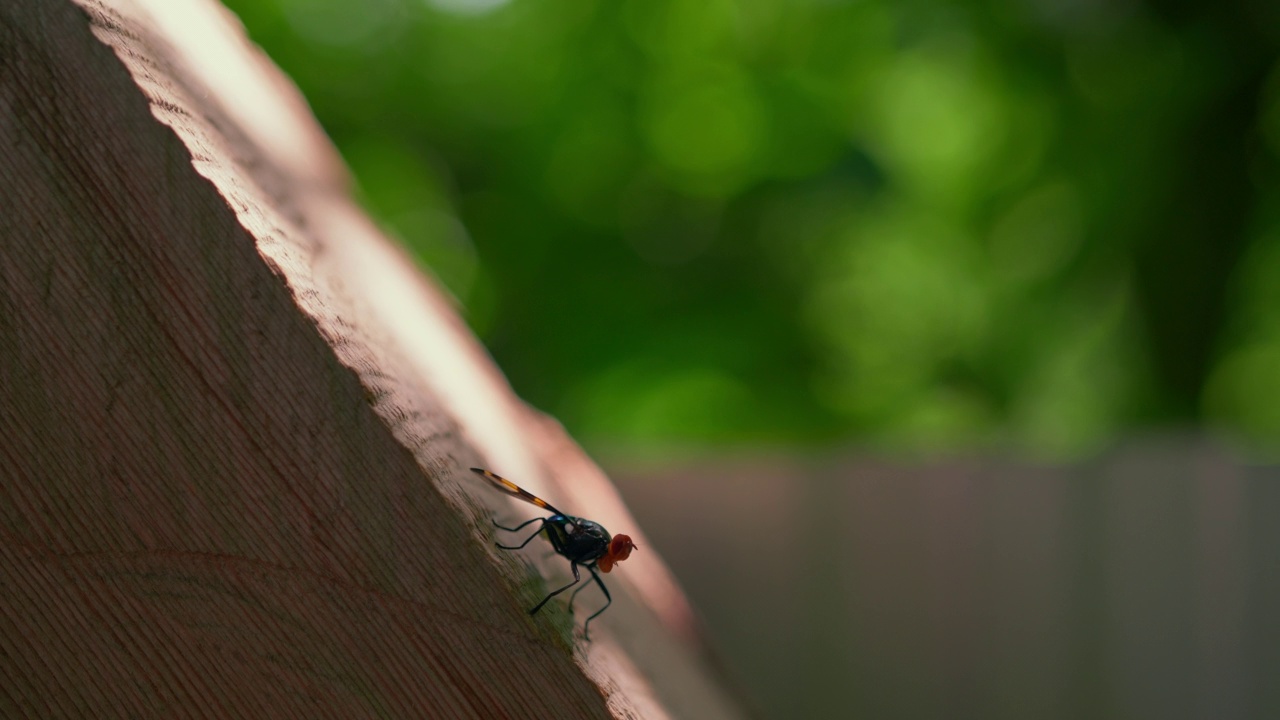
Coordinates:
(581, 542)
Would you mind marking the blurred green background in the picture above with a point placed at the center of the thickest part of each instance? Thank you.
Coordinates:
(742, 249)
(923, 226)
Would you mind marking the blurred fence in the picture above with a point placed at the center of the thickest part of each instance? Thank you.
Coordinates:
(1143, 584)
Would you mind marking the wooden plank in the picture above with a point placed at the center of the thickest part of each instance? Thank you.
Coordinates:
(235, 421)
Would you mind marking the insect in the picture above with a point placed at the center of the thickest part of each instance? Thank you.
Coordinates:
(581, 542)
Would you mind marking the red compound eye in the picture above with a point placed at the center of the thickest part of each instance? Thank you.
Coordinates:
(619, 549)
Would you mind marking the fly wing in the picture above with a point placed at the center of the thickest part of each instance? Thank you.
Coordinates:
(513, 489)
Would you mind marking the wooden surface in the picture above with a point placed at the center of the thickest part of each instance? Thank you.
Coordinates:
(235, 421)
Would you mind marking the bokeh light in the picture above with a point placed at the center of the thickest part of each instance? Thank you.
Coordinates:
(1025, 225)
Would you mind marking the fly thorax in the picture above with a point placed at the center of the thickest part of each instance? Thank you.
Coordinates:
(584, 540)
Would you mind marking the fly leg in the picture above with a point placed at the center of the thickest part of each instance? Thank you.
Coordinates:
(517, 528)
(576, 579)
(586, 632)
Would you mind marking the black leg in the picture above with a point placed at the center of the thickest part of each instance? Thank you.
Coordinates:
(527, 540)
(576, 579)
(574, 596)
(521, 526)
(586, 627)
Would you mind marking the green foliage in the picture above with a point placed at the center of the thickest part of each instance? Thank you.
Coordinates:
(923, 224)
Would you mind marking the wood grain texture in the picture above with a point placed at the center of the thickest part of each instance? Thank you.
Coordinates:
(235, 420)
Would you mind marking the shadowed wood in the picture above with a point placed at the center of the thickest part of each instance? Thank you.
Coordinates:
(235, 422)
